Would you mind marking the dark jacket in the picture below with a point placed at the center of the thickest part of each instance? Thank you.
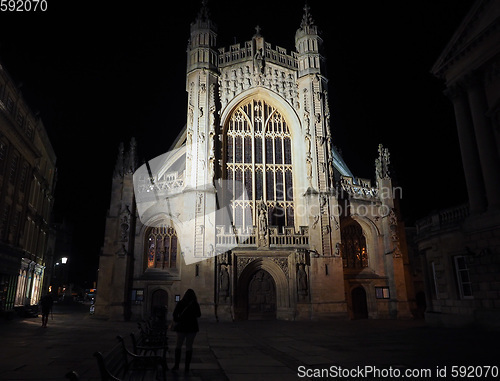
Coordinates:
(186, 314)
(46, 303)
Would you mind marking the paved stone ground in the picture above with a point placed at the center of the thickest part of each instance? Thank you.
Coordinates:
(248, 350)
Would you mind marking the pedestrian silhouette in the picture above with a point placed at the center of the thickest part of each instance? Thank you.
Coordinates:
(186, 314)
(46, 302)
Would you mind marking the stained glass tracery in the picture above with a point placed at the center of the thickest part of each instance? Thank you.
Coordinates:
(161, 247)
(258, 153)
(354, 253)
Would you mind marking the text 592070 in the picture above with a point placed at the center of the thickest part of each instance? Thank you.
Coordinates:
(23, 5)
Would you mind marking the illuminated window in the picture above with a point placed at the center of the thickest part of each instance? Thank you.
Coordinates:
(161, 247)
(382, 292)
(354, 252)
(258, 157)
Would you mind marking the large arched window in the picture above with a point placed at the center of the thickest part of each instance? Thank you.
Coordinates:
(354, 252)
(161, 247)
(258, 157)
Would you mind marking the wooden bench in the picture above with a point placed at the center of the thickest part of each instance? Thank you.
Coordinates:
(147, 345)
(122, 364)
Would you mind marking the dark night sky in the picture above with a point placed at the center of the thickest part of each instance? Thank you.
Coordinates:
(102, 73)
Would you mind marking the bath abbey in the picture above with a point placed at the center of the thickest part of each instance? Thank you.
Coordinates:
(253, 207)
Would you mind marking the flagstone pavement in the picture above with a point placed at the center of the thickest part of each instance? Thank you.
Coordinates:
(254, 350)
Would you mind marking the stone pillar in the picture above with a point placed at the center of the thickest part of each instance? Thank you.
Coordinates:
(485, 139)
(468, 150)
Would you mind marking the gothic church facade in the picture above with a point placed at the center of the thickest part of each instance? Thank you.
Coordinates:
(318, 242)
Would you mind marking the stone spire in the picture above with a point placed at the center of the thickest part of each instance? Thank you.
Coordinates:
(309, 45)
(307, 25)
(130, 163)
(203, 14)
(202, 44)
(382, 163)
(118, 172)
(202, 20)
(307, 20)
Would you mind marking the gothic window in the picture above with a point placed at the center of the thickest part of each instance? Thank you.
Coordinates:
(161, 247)
(258, 157)
(354, 252)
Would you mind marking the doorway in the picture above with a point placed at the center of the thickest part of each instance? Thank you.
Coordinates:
(359, 305)
(261, 296)
(159, 304)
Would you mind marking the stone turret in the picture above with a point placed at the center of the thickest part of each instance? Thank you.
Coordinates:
(115, 264)
(201, 47)
(309, 45)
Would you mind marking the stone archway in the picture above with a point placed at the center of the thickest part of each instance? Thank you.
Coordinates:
(261, 302)
(359, 304)
(261, 289)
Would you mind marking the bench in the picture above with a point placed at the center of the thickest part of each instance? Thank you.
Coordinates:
(151, 334)
(122, 364)
(145, 345)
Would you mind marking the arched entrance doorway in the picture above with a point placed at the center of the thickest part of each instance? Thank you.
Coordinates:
(261, 296)
(159, 301)
(359, 305)
(421, 305)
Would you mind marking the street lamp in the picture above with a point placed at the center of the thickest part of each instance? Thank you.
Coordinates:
(64, 260)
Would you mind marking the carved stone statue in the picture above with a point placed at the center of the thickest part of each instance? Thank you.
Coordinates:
(262, 222)
(262, 227)
(224, 282)
(258, 62)
(302, 280)
(309, 171)
(338, 249)
(308, 144)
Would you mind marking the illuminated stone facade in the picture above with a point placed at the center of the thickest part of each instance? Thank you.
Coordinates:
(27, 180)
(307, 241)
(460, 246)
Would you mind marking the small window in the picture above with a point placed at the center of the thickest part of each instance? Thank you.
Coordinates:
(10, 104)
(20, 118)
(29, 130)
(434, 281)
(13, 169)
(23, 177)
(463, 278)
(3, 152)
(382, 292)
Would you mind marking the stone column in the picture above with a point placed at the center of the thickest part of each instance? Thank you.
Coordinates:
(485, 139)
(468, 149)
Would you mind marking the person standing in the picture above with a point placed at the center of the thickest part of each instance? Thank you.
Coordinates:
(46, 302)
(186, 314)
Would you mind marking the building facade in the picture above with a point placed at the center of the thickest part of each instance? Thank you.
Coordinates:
(305, 240)
(460, 246)
(27, 180)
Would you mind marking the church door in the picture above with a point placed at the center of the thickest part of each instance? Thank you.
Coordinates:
(262, 296)
(159, 301)
(359, 306)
